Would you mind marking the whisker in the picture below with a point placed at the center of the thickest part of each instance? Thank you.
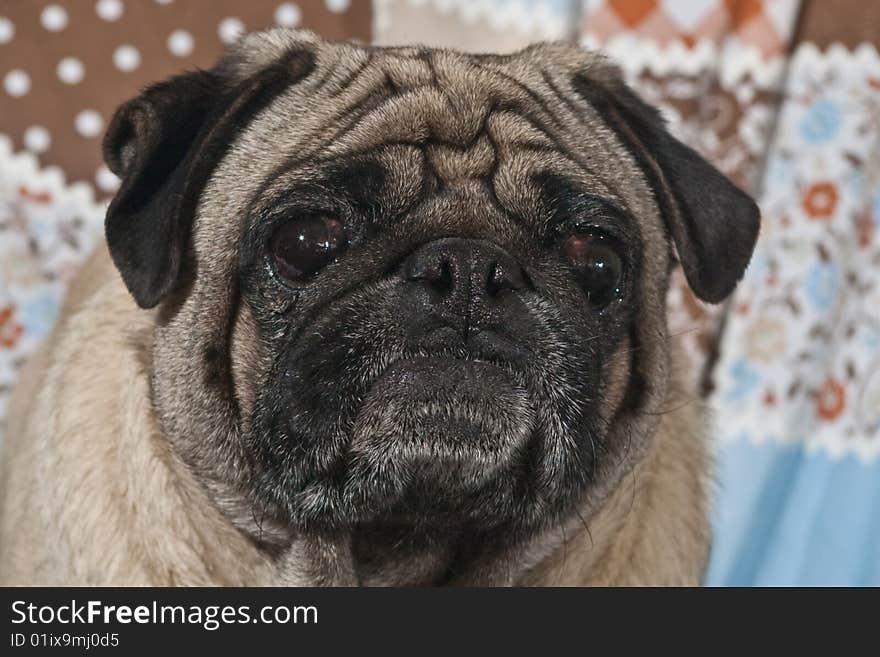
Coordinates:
(670, 410)
(665, 338)
(560, 574)
(586, 528)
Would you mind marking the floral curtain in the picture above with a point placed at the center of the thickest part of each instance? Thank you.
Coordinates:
(798, 381)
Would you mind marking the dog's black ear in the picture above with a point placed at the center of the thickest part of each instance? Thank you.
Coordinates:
(164, 145)
(713, 224)
(147, 145)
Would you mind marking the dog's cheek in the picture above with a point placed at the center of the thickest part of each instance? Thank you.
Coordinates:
(316, 364)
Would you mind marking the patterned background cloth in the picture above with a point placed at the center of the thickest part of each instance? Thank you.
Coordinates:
(782, 95)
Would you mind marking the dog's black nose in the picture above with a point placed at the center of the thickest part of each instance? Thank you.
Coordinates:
(454, 266)
(463, 281)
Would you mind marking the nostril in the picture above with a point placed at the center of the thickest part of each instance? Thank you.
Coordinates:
(504, 277)
(444, 280)
(464, 269)
(436, 272)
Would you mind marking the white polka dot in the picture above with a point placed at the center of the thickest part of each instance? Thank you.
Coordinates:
(89, 123)
(288, 14)
(230, 30)
(126, 58)
(7, 30)
(337, 6)
(106, 179)
(109, 10)
(180, 43)
(17, 83)
(54, 18)
(37, 139)
(70, 70)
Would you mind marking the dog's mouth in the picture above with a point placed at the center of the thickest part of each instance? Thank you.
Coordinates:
(447, 432)
(439, 423)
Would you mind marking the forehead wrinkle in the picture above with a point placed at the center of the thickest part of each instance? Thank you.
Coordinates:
(409, 72)
(318, 112)
(370, 97)
(454, 164)
(618, 164)
(524, 92)
(515, 137)
(434, 95)
(572, 119)
(358, 63)
(517, 130)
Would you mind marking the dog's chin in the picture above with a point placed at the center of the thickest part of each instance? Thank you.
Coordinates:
(439, 438)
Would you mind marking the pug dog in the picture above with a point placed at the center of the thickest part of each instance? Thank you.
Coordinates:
(379, 316)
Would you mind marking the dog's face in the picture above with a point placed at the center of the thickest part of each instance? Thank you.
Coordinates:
(405, 287)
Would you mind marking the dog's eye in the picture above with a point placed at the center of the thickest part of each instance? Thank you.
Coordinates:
(303, 246)
(599, 267)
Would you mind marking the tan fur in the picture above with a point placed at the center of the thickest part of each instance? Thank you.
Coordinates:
(628, 541)
(91, 492)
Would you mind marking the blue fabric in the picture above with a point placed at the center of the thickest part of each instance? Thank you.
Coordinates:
(786, 517)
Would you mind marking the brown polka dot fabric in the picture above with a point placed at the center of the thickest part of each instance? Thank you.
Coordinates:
(65, 65)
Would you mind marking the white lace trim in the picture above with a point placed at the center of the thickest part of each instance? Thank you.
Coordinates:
(866, 450)
(861, 59)
(849, 68)
(731, 61)
(500, 15)
(23, 168)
